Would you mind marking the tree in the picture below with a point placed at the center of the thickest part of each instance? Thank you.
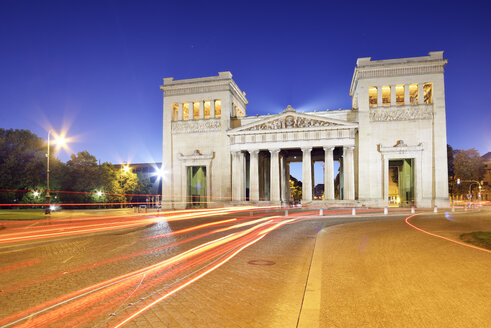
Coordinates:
(23, 164)
(83, 180)
(468, 166)
(295, 188)
(451, 173)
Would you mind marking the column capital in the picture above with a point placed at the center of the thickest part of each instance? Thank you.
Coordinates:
(348, 147)
(254, 152)
(306, 149)
(328, 148)
(274, 151)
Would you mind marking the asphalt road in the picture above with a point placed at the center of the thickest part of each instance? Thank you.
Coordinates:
(84, 280)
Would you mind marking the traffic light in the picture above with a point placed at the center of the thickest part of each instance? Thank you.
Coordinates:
(458, 181)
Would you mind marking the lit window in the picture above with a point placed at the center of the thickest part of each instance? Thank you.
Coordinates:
(218, 108)
(185, 111)
(372, 96)
(175, 111)
(413, 94)
(428, 92)
(207, 109)
(400, 94)
(386, 95)
(196, 110)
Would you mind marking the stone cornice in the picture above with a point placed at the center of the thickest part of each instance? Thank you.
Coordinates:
(203, 85)
(394, 68)
(286, 136)
(400, 147)
(196, 156)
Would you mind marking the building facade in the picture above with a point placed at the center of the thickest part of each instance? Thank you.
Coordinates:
(390, 146)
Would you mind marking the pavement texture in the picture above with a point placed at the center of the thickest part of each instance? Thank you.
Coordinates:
(388, 274)
(338, 271)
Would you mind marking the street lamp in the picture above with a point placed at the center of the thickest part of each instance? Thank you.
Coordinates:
(472, 182)
(125, 168)
(59, 140)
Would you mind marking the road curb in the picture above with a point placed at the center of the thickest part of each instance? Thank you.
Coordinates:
(311, 304)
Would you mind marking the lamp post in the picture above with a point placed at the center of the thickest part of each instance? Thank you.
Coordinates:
(472, 182)
(48, 197)
(60, 140)
(124, 169)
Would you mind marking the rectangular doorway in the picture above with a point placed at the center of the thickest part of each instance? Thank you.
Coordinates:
(401, 182)
(196, 186)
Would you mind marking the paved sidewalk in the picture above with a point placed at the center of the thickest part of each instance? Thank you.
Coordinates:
(387, 274)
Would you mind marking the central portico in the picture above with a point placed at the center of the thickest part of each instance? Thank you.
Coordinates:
(262, 150)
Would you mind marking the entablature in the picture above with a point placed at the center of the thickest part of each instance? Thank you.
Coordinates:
(222, 82)
(292, 122)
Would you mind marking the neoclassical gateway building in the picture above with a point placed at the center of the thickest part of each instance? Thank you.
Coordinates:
(391, 145)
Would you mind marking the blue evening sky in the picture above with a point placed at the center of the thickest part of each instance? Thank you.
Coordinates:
(97, 65)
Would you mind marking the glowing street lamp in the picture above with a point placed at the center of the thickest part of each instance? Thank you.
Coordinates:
(99, 193)
(60, 141)
(124, 170)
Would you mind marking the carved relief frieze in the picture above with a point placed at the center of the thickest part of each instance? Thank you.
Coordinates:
(290, 122)
(196, 126)
(401, 114)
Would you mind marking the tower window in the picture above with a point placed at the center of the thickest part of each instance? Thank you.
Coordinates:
(400, 94)
(428, 93)
(207, 109)
(372, 96)
(185, 111)
(386, 95)
(218, 108)
(196, 110)
(175, 111)
(413, 94)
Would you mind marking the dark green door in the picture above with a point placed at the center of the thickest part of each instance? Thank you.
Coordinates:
(196, 186)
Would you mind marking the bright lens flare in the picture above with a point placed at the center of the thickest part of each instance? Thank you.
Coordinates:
(60, 141)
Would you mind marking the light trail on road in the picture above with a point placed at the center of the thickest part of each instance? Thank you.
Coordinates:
(36, 232)
(217, 248)
(442, 237)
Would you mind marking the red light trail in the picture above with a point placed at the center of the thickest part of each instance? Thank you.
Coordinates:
(36, 232)
(87, 305)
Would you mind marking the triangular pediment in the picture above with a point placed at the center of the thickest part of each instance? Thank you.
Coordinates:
(289, 120)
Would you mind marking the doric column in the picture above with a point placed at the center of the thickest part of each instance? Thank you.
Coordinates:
(274, 183)
(393, 100)
(349, 173)
(242, 176)
(283, 178)
(212, 108)
(235, 176)
(328, 173)
(202, 109)
(306, 174)
(179, 112)
(286, 179)
(407, 101)
(421, 96)
(191, 110)
(254, 175)
(379, 96)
